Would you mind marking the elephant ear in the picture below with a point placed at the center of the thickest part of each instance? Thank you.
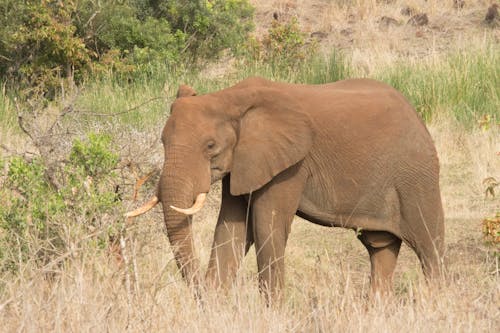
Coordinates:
(185, 91)
(270, 141)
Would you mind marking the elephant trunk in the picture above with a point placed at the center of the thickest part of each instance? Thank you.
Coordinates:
(179, 192)
(180, 237)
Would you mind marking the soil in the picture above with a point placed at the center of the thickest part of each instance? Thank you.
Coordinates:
(399, 29)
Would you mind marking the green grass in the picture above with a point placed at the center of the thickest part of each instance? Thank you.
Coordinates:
(133, 103)
(317, 69)
(7, 110)
(115, 95)
(142, 100)
(466, 83)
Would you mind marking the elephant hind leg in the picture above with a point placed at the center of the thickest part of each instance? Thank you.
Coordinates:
(422, 228)
(383, 248)
(430, 254)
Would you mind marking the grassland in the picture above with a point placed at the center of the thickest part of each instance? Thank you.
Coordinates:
(453, 85)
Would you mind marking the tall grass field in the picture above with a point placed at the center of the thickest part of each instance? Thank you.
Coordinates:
(70, 262)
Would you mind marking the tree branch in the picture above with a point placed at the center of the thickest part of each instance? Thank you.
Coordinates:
(122, 112)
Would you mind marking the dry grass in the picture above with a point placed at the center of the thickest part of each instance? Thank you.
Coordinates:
(327, 274)
(355, 27)
(327, 277)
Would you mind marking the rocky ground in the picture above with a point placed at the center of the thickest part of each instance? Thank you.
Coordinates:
(384, 31)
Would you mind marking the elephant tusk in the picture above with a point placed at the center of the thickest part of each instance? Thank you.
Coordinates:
(144, 208)
(198, 204)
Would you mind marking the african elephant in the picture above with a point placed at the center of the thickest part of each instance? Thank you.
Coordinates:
(350, 154)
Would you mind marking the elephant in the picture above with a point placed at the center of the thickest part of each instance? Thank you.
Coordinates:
(352, 154)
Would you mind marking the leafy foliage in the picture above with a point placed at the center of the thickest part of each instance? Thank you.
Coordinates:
(34, 222)
(208, 26)
(44, 41)
(93, 156)
(38, 42)
(284, 45)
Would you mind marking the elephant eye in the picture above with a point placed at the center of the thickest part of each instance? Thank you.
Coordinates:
(211, 144)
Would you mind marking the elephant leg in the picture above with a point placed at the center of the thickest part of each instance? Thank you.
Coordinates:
(232, 239)
(423, 227)
(273, 209)
(383, 248)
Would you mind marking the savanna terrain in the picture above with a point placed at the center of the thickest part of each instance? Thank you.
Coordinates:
(71, 262)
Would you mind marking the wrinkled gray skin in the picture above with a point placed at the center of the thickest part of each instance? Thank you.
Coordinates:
(350, 154)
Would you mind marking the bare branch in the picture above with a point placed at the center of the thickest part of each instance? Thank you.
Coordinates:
(65, 111)
(91, 18)
(6, 58)
(122, 112)
(20, 121)
(4, 147)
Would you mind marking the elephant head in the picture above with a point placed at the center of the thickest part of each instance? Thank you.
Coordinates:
(248, 132)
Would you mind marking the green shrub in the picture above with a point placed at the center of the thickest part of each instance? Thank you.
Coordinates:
(117, 30)
(27, 202)
(38, 43)
(42, 42)
(209, 26)
(285, 45)
(38, 221)
(93, 156)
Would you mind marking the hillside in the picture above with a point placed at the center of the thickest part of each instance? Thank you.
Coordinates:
(380, 32)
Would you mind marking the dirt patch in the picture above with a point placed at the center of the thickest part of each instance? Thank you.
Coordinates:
(379, 29)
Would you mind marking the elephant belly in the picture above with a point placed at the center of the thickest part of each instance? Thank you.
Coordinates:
(383, 216)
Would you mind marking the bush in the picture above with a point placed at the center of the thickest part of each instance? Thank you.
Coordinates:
(285, 45)
(38, 43)
(93, 157)
(39, 221)
(118, 29)
(286, 54)
(44, 41)
(208, 26)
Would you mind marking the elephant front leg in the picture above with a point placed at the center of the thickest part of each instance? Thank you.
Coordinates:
(271, 235)
(273, 209)
(232, 239)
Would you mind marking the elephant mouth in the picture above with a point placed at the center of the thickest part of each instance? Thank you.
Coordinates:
(216, 174)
